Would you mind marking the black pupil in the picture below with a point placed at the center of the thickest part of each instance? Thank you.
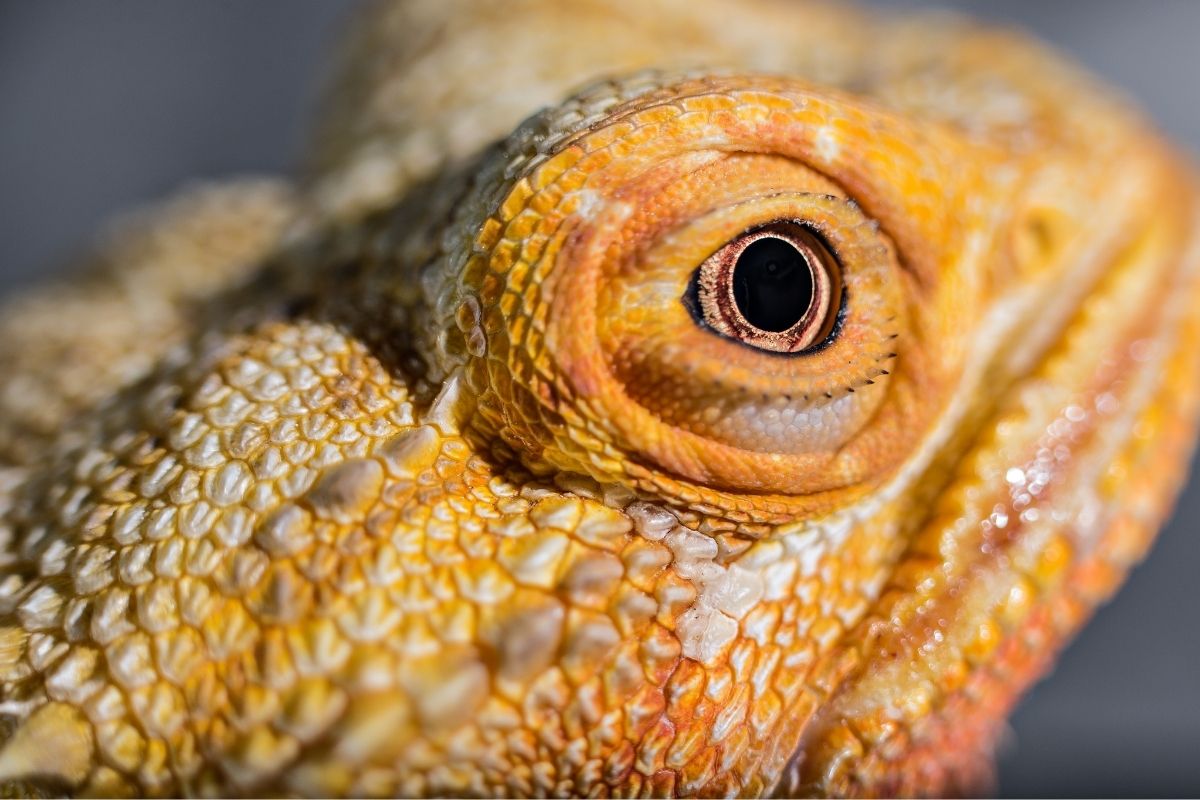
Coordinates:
(772, 285)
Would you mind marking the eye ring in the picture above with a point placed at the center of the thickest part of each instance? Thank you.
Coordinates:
(776, 287)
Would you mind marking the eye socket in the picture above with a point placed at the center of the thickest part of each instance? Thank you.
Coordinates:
(776, 288)
(598, 358)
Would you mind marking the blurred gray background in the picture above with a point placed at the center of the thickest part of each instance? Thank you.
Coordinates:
(106, 105)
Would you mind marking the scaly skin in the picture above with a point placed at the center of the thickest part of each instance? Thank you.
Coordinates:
(419, 477)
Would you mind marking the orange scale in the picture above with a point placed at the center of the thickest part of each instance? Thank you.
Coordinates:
(551, 171)
(515, 201)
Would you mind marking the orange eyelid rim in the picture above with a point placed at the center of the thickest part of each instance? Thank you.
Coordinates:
(586, 261)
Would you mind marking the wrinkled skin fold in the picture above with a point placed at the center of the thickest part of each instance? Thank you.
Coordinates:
(416, 475)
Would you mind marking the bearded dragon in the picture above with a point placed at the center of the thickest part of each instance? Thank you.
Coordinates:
(760, 418)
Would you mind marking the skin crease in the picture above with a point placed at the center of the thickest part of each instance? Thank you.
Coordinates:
(415, 475)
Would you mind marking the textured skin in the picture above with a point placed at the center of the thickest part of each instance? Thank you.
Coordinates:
(417, 477)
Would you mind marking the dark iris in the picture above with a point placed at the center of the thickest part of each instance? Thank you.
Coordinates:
(772, 285)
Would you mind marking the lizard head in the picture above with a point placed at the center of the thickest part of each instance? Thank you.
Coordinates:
(890, 481)
(717, 431)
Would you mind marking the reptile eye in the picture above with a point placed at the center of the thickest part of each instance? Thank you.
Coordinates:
(776, 288)
(640, 294)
